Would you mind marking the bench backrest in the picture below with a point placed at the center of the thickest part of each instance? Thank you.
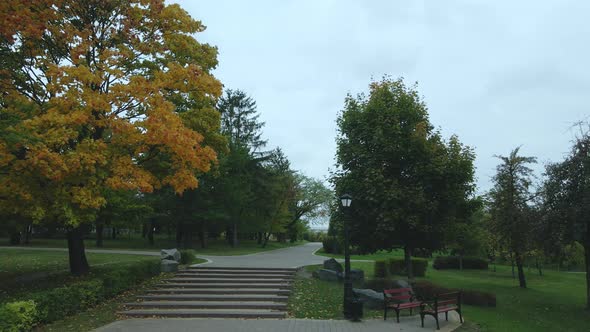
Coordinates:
(398, 294)
(447, 299)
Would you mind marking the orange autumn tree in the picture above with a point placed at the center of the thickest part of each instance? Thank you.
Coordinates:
(100, 95)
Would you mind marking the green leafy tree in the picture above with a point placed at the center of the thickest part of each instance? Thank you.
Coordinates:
(510, 209)
(408, 184)
(567, 199)
(310, 203)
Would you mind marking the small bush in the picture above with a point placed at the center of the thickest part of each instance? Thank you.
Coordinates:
(379, 284)
(18, 316)
(398, 266)
(332, 245)
(187, 257)
(427, 291)
(380, 269)
(452, 262)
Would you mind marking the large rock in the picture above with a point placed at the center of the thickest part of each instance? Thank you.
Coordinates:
(401, 284)
(332, 264)
(171, 254)
(327, 275)
(169, 265)
(357, 275)
(370, 298)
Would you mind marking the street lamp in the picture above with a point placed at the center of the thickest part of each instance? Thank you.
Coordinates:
(349, 308)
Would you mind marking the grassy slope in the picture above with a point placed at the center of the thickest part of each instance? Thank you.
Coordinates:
(215, 247)
(23, 271)
(554, 302)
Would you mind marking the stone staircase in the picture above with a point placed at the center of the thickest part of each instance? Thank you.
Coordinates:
(218, 292)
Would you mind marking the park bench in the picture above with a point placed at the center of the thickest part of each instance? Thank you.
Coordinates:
(399, 299)
(442, 303)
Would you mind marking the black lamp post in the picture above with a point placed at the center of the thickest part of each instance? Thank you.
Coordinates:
(346, 200)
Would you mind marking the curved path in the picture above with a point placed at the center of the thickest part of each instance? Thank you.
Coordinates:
(291, 257)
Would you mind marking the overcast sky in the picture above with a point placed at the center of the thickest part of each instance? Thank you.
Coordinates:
(499, 74)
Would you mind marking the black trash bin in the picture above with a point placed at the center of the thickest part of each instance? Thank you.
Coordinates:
(355, 308)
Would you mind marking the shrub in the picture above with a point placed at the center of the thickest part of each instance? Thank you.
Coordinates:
(379, 284)
(380, 269)
(187, 256)
(427, 291)
(398, 266)
(332, 245)
(452, 262)
(18, 316)
(57, 303)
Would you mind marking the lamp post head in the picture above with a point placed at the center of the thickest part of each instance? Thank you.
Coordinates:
(346, 200)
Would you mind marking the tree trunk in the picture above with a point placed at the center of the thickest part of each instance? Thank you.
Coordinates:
(78, 263)
(259, 238)
(512, 263)
(228, 235)
(461, 262)
(114, 233)
(188, 236)
(179, 233)
(539, 267)
(587, 256)
(99, 230)
(28, 231)
(204, 235)
(519, 265)
(150, 232)
(144, 230)
(15, 238)
(408, 259)
(266, 238)
(234, 242)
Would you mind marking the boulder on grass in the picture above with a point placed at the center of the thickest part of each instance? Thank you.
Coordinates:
(357, 275)
(327, 275)
(170, 254)
(332, 264)
(370, 298)
(169, 265)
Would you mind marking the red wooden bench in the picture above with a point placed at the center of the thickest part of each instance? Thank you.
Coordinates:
(442, 303)
(398, 299)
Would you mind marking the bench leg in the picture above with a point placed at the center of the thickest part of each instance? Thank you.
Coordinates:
(422, 319)
(410, 311)
(436, 317)
(460, 316)
(447, 316)
(397, 314)
(384, 313)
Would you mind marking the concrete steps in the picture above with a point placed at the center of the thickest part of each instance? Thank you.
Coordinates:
(205, 313)
(209, 305)
(251, 291)
(218, 292)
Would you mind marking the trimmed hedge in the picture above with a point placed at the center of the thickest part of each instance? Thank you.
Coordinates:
(57, 303)
(398, 266)
(187, 256)
(427, 291)
(452, 262)
(331, 245)
(380, 269)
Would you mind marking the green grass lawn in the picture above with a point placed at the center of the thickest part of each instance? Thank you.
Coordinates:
(215, 246)
(316, 299)
(554, 302)
(380, 255)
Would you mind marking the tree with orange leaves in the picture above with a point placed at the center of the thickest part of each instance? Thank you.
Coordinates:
(100, 95)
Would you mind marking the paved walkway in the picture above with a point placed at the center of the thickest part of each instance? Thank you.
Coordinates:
(291, 257)
(409, 324)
